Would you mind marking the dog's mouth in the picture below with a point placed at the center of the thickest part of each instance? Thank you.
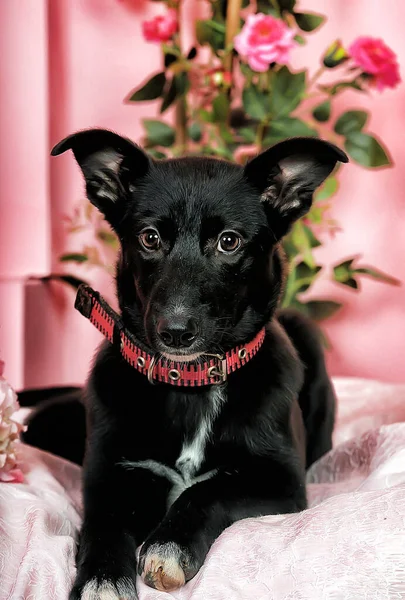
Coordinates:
(182, 357)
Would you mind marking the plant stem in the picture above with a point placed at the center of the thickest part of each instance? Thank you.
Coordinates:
(181, 124)
(260, 134)
(181, 103)
(316, 76)
(232, 27)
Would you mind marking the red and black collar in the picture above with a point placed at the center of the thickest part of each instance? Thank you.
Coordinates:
(209, 369)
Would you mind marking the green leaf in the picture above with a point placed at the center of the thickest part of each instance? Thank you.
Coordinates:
(327, 190)
(343, 271)
(266, 7)
(220, 108)
(156, 153)
(108, 237)
(159, 133)
(300, 40)
(377, 274)
(308, 21)
(304, 277)
(289, 248)
(287, 92)
(313, 240)
(169, 97)
(287, 5)
(289, 127)
(335, 55)
(351, 283)
(327, 344)
(319, 310)
(303, 271)
(212, 33)
(315, 215)
(298, 237)
(256, 103)
(195, 132)
(182, 83)
(74, 257)
(339, 87)
(170, 58)
(322, 112)
(366, 150)
(206, 116)
(247, 134)
(352, 120)
(151, 90)
(178, 86)
(246, 71)
(218, 151)
(304, 240)
(226, 134)
(192, 54)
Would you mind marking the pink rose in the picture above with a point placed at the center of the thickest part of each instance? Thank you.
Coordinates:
(376, 59)
(160, 28)
(264, 40)
(9, 434)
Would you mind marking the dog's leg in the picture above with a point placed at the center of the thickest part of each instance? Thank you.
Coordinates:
(121, 507)
(317, 398)
(176, 550)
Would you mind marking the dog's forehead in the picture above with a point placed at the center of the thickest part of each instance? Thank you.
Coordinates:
(205, 178)
(198, 187)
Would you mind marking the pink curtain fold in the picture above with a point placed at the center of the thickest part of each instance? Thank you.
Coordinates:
(24, 168)
(65, 66)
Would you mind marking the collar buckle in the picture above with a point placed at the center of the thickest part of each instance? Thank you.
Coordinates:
(217, 374)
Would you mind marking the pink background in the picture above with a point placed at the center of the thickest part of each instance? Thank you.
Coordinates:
(69, 65)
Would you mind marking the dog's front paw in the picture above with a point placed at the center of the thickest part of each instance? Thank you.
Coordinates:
(104, 589)
(166, 566)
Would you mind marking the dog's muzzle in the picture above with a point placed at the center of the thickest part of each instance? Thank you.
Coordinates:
(208, 369)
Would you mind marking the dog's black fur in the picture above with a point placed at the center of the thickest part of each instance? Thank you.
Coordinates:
(57, 423)
(254, 439)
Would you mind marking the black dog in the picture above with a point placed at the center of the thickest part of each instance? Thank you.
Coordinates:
(199, 277)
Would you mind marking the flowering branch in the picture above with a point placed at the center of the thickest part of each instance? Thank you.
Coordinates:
(273, 106)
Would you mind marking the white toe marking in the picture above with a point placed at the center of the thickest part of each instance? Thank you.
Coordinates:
(167, 557)
(169, 552)
(106, 590)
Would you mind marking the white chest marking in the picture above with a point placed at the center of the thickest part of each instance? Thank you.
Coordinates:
(191, 456)
(193, 452)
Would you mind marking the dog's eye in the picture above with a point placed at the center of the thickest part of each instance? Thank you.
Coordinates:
(228, 242)
(150, 239)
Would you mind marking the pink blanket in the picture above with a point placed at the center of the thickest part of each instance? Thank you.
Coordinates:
(350, 544)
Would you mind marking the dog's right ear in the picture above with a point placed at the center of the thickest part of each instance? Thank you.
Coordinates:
(111, 166)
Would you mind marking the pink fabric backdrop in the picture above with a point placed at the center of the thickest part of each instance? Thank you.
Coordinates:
(68, 65)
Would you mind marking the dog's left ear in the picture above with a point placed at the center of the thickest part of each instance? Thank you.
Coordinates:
(111, 166)
(287, 175)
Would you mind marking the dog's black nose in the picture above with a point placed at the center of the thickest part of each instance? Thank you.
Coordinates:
(178, 332)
